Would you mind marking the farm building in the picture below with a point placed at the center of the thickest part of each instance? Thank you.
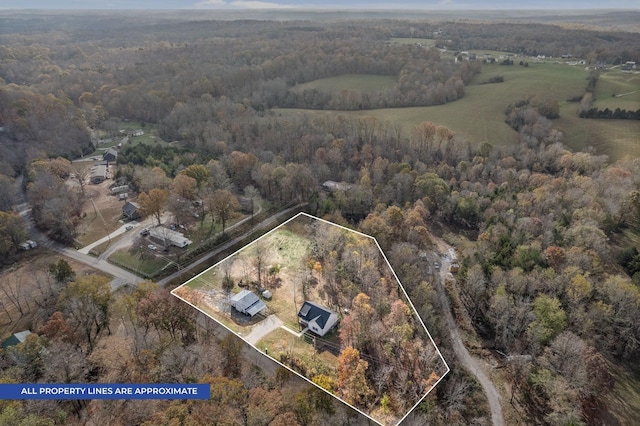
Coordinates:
(98, 174)
(169, 237)
(317, 318)
(15, 339)
(110, 155)
(130, 210)
(247, 302)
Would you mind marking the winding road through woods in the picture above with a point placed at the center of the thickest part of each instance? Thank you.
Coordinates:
(473, 365)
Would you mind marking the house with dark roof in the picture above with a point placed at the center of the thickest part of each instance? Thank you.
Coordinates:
(15, 339)
(130, 210)
(247, 302)
(110, 155)
(317, 318)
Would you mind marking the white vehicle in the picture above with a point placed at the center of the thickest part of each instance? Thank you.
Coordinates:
(152, 247)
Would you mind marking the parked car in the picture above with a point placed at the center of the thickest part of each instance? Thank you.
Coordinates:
(152, 247)
(144, 232)
(129, 227)
(436, 265)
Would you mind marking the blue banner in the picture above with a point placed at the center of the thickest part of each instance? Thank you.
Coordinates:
(104, 391)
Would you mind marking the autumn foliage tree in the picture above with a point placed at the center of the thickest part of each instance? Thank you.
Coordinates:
(86, 303)
(153, 203)
(352, 383)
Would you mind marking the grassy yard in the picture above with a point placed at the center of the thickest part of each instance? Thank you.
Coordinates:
(281, 342)
(148, 265)
(94, 225)
(281, 247)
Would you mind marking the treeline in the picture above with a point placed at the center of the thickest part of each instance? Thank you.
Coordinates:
(536, 39)
(84, 333)
(617, 114)
(144, 72)
(35, 125)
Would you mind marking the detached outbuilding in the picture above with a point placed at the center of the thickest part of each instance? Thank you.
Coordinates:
(247, 302)
(15, 338)
(98, 174)
(317, 318)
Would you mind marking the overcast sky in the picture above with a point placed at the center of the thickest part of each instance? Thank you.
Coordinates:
(319, 4)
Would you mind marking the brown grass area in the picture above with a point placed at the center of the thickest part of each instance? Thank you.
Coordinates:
(104, 218)
(623, 402)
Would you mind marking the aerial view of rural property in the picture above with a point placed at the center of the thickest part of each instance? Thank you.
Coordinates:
(323, 300)
(304, 213)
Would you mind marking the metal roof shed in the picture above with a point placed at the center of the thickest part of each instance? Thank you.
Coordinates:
(247, 303)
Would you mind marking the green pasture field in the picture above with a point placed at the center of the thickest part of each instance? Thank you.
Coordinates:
(626, 87)
(614, 138)
(357, 82)
(479, 115)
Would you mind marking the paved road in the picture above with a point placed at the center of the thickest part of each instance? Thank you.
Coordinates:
(472, 364)
(120, 276)
(114, 234)
(264, 224)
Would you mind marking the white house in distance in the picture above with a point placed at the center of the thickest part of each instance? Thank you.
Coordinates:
(317, 318)
(247, 303)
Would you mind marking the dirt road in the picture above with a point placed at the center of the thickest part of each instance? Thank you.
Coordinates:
(473, 365)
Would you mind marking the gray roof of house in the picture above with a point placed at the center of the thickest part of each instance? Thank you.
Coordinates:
(129, 208)
(310, 311)
(110, 152)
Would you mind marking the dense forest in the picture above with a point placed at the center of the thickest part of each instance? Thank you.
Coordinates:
(545, 269)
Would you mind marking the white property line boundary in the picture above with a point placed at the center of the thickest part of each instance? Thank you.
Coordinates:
(288, 367)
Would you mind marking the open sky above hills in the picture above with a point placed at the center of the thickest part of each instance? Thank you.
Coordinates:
(318, 4)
